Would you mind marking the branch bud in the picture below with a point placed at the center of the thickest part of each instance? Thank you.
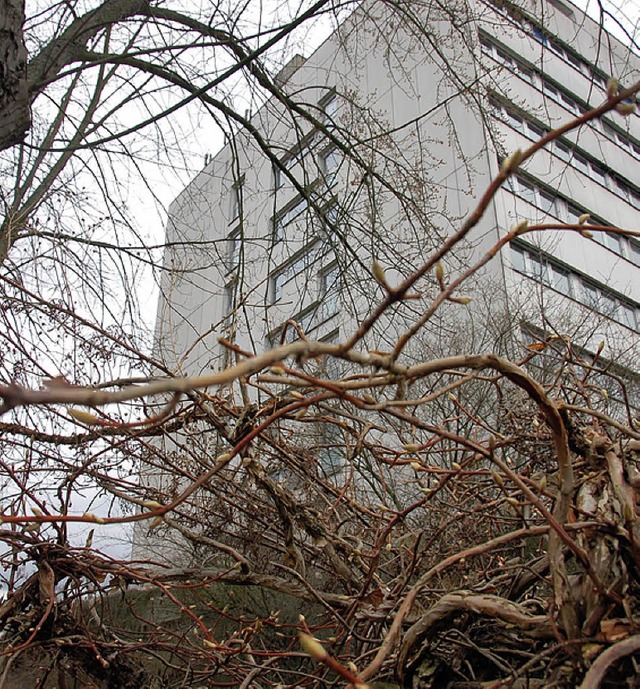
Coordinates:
(461, 300)
(378, 272)
(155, 523)
(85, 417)
(612, 87)
(626, 108)
(440, 274)
(90, 517)
(312, 647)
(520, 228)
(511, 163)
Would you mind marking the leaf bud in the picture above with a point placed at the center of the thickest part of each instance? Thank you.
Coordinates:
(511, 163)
(378, 272)
(82, 416)
(461, 300)
(312, 647)
(626, 108)
(612, 87)
(520, 228)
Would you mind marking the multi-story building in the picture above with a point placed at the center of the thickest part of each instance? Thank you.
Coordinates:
(376, 149)
(381, 143)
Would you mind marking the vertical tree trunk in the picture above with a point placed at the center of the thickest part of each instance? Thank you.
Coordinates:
(15, 114)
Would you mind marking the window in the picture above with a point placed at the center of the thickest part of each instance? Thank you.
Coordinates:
(538, 268)
(534, 131)
(581, 163)
(562, 97)
(329, 107)
(235, 246)
(560, 280)
(515, 121)
(503, 57)
(330, 213)
(542, 199)
(329, 292)
(557, 49)
(570, 104)
(599, 80)
(296, 266)
(613, 242)
(539, 35)
(227, 321)
(615, 307)
(550, 90)
(623, 189)
(562, 151)
(279, 178)
(235, 201)
(288, 215)
(563, 9)
(518, 259)
(486, 46)
(329, 164)
(572, 59)
(525, 190)
(628, 315)
(573, 215)
(278, 283)
(546, 202)
(599, 174)
(331, 451)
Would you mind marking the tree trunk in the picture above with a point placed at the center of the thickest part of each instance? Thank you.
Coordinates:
(15, 113)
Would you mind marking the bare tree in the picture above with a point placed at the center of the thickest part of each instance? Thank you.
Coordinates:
(434, 515)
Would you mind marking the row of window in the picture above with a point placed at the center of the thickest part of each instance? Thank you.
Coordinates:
(572, 58)
(280, 221)
(328, 159)
(552, 204)
(296, 266)
(326, 305)
(548, 271)
(605, 375)
(328, 163)
(328, 278)
(554, 91)
(329, 214)
(569, 153)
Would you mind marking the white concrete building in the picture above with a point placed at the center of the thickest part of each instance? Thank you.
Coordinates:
(390, 133)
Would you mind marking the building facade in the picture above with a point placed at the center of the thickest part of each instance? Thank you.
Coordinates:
(381, 143)
(377, 148)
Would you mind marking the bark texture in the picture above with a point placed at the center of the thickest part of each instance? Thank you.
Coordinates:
(15, 112)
